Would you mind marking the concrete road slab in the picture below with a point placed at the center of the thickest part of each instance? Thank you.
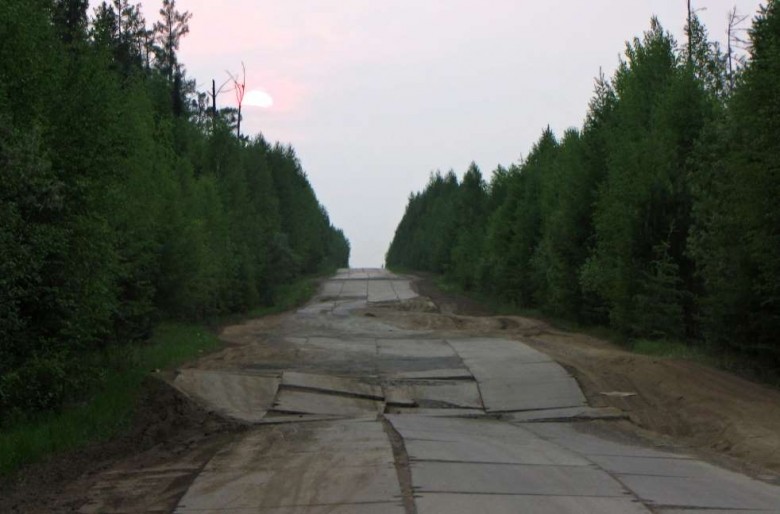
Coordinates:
(363, 274)
(436, 413)
(455, 430)
(354, 289)
(444, 503)
(510, 394)
(354, 508)
(682, 467)
(478, 441)
(403, 290)
(331, 288)
(262, 448)
(663, 478)
(310, 402)
(315, 484)
(712, 511)
(718, 489)
(492, 452)
(388, 365)
(293, 466)
(459, 394)
(513, 376)
(433, 374)
(485, 352)
(331, 383)
(246, 397)
(415, 348)
(514, 479)
(535, 373)
(338, 346)
(567, 435)
(381, 291)
(273, 418)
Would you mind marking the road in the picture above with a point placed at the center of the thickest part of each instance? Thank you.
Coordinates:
(347, 413)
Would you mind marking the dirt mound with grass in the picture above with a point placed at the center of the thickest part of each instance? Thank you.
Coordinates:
(165, 426)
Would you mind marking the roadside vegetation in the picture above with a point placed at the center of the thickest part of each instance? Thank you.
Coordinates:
(127, 198)
(107, 408)
(658, 218)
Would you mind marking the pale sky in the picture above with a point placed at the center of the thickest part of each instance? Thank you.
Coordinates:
(374, 95)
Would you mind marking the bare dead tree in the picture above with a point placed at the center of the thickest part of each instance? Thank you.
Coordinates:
(690, 36)
(735, 40)
(239, 86)
(213, 95)
(689, 28)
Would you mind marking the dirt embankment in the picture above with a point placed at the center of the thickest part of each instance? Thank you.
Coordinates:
(167, 426)
(717, 414)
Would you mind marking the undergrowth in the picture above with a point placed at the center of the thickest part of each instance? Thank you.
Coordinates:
(288, 297)
(109, 409)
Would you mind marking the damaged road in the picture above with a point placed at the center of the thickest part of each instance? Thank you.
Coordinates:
(348, 410)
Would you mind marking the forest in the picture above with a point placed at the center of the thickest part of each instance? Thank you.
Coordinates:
(658, 218)
(127, 197)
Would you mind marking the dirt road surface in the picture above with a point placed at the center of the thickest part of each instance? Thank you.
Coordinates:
(373, 399)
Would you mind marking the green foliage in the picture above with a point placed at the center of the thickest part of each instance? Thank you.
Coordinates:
(288, 296)
(736, 237)
(659, 304)
(670, 349)
(120, 206)
(659, 217)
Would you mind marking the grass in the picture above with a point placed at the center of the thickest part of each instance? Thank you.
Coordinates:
(670, 349)
(109, 410)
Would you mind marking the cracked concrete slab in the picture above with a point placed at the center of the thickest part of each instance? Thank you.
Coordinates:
(336, 345)
(514, 377)
(433, 374)
(517, 479)
(485, 441)
(567, 436)
(446, 503)
(242, 396)
(662, 478)
(415, 348)
(381, 291)
(311, 402)
(436, 413)
(327, 383)
(300, 473)
(452, 394)
(352, 508)
(716, 489)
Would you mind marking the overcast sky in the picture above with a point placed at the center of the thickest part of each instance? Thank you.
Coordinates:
(375, 94)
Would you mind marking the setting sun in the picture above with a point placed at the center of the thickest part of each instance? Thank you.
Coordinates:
(258, 98)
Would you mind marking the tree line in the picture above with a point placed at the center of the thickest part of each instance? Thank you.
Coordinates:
(126, 198)
(658, 217)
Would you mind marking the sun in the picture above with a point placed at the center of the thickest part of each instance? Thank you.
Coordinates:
(258, 98)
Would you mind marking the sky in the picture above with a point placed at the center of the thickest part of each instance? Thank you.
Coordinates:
(374, 95)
